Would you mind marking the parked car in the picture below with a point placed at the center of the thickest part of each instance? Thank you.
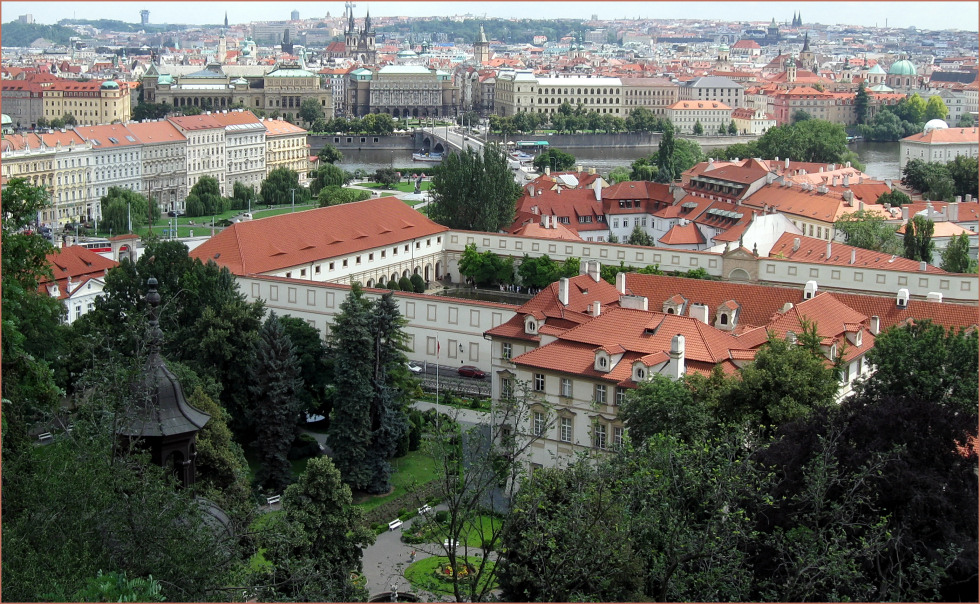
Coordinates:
(414, 367)
(175, 214)
(471, 371)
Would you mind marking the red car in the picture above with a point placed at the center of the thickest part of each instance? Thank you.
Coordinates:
(471, 371)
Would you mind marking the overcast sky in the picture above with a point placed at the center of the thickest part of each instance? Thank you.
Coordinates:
(923, 14)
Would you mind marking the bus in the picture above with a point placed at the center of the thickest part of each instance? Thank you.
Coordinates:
(98, 246)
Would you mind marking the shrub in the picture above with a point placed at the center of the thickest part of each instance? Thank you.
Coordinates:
(414, 433)
(442, 516)
(405, 284)
(418, 284)
(304, 446)
(393, 285)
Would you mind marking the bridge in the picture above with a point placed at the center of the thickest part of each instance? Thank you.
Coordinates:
(446, 139)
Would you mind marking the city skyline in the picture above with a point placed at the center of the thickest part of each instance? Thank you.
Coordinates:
(928, 15)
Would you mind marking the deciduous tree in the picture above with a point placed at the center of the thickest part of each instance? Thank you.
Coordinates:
(917, 241)
(868, 230)
(474, 192)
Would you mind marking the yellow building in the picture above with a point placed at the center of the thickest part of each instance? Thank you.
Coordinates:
(91, 103)
(286, 146)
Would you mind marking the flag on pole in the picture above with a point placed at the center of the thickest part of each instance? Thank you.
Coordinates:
(438, 348)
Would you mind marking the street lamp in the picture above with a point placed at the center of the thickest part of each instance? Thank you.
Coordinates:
(293, 194)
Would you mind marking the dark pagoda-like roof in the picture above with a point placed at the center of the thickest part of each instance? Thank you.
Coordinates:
(161, 410)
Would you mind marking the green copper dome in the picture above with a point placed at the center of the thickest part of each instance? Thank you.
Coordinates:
(903, 67)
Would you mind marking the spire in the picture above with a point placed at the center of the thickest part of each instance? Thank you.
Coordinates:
(367, 22)
(806, 42)
(483, 36)
(226, 19)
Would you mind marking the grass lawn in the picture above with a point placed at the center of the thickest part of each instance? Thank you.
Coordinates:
(428, 574)
(481, 530)
(414, 469)
(202, 224)
(404, 187)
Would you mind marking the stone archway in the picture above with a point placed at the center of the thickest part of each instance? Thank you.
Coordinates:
(406, 274)
(428, 272)
(370, 283)
(739, 274)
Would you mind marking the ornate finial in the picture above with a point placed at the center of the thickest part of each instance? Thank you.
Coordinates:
(153, 301)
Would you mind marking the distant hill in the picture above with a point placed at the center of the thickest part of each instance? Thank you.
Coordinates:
(16, 33)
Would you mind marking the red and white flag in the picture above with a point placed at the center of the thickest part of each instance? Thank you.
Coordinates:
(438, 348)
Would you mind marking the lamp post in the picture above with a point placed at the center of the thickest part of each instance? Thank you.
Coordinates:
(293, 195)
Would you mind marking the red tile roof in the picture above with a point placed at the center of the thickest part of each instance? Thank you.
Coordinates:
(815, 250)
(279, 242)
(687, 234)
(78, 263)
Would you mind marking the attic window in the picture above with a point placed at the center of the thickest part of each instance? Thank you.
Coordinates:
(602, 362)
(724, 318)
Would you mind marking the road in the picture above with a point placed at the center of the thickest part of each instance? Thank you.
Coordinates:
(449, 380)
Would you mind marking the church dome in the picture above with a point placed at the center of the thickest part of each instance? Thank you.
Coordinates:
(407, 54)
(109, 85)
(903, 68)
(936, 124)
(723, 48)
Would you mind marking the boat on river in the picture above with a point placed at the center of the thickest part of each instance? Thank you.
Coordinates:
(427, 157)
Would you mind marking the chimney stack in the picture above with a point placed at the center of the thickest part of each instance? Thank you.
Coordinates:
(853, 256)
(847, 180)
(593, 270)
(796, 243)
(875, 324)
(621, 283)
(699, 312)
(596, 308)
(634, 302)
(829, 250)
(905, 213)
(676, 364)
(922, 265)
(953, 211)
(563, 291)
(547, 170)
(934, 297)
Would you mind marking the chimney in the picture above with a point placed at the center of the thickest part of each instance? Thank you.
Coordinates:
(934, 297)
(905, 213)
(578, 168)
(834, 183)
(596, 308)
(796, 243)
(786, 308)
(592, 268)
(791, 337)
(563, 291)
(848, 197)
(860, 203)
(875, 324)
(531, 191)
(591, 170)
(953, 210)
(699, 312)
(829, 250)
(847, 180)
(902, 299)
(854, 253)
(597, 188)
(787, 164)
(675, 367)
(547, 170)
(621, 283)
(922, 265)
(634, 302)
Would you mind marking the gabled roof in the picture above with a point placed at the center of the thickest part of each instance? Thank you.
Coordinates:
(815, 250)
(77, 263)
(687, 234)
(287, 240)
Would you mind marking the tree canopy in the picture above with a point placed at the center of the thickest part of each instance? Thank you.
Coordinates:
(119, 205)
(281, 185)
(868, 230)
(474, 192)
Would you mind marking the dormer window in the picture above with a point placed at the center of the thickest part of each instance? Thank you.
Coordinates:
(603, 362)
(530, 326)
(724, 318)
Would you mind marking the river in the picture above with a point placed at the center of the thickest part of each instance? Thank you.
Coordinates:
(880, 159)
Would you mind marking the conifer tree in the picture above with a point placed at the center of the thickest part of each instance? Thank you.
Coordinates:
(276, 390)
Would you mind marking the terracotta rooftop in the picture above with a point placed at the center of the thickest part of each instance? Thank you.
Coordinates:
(78, 263)
(815, 250)
(279, 242)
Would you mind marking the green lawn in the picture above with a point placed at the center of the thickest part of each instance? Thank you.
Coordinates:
(429, 575)
(481, 530)
(404, 187)
(416, 468)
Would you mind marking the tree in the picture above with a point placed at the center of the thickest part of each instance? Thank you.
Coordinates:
(687, 154)
(917, 241)
(333, 195)
(964, 173)
(868, 230)
(119, 206)
(311, 354)
(328, 175)
(894, 198)
(786, 381)
(542, 271)
(558, 507)
(117, 587)
(640, 237)
(911, 109)
(914, 174)
(389, 424)
(619, 174)
(405, 284)
(732, 128)
(315, 546)
(280, 185)
(556, 159)
(861, 100)
(350, 431)
(386, 177)
(812, 140)
(32, 327)
(901, 353)
(665, 156)
(329, 154)
(800, 116)
(151, 111)
(936, 109)
(204, 198)
(485, 268)
(242, 196)
(698, 129)
(418, 284)
(664, 406)
(311, 111)
(956, 255)
(966, 121)
(474, 192)
(641, 119)
(275, 387)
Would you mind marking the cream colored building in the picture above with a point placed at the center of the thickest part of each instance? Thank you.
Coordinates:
(92, 102)
(245, 148)
(711, 114)
(164, 163)
(286, 146)
(205, 148)
(938, 143)
(521, 91)
(655, 94)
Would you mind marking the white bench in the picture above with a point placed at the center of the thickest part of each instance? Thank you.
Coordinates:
(425, 509)
(394, 524)
(44, 436)
(274, 499)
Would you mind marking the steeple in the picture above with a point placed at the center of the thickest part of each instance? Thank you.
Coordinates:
(367, 22)
(226, 19)
(806, 42)
(162, 420)
(483, 36)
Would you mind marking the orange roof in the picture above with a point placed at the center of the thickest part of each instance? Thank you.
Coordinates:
(108, 135)
(279, 127)
(75, 262)
(196, 122)
(815, 250)
(688, 234)
(558, 231)
(232, 118)
(945, 135)
(279, 242)
(160, 131)
(691, 105)
(831, 317)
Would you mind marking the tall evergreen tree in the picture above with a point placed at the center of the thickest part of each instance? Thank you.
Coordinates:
(276, 388)
(665, 156)
(918, 239)
(861, 103)
(352, 349)
(389, 425)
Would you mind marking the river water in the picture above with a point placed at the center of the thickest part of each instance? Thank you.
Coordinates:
(880, 159)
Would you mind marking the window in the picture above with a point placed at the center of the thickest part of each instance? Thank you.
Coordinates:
(506, 387)
(538, 423)
(505, 350)
(331, 266)
(620, 395)
(539, 382)
(565, 432)
(600, 394)
(566, 387)
(618, 437)
(599, 435)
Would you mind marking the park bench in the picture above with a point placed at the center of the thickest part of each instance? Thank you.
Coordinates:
(394, 524)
